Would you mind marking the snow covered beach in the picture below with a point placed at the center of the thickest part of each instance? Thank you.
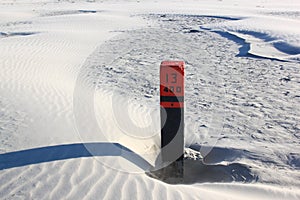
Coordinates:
(59, 57)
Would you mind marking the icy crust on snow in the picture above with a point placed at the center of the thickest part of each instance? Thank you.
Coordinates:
(271, 37)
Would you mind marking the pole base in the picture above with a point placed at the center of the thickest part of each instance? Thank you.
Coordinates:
(172, 174)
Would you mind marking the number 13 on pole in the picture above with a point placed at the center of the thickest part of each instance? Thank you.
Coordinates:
(172, 84)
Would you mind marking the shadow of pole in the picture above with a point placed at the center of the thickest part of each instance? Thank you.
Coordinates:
(69, 151)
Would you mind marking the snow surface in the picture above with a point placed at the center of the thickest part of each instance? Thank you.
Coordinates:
(79, 115)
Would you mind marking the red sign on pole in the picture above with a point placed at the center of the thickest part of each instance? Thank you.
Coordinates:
(172, 84)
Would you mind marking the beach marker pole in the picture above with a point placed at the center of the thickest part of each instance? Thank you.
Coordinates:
(172, 114)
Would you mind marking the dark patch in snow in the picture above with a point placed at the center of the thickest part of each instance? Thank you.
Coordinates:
(16, 34)
(69, 12)
(286, 79)
(287, 48)
(3, 34)
(294, 160)
(194, 31)
(87, 11)
(209, 16)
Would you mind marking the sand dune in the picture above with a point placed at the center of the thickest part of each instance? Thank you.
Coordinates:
(79, 95)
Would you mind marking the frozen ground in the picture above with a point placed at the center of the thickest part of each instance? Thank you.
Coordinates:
(79, 93)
